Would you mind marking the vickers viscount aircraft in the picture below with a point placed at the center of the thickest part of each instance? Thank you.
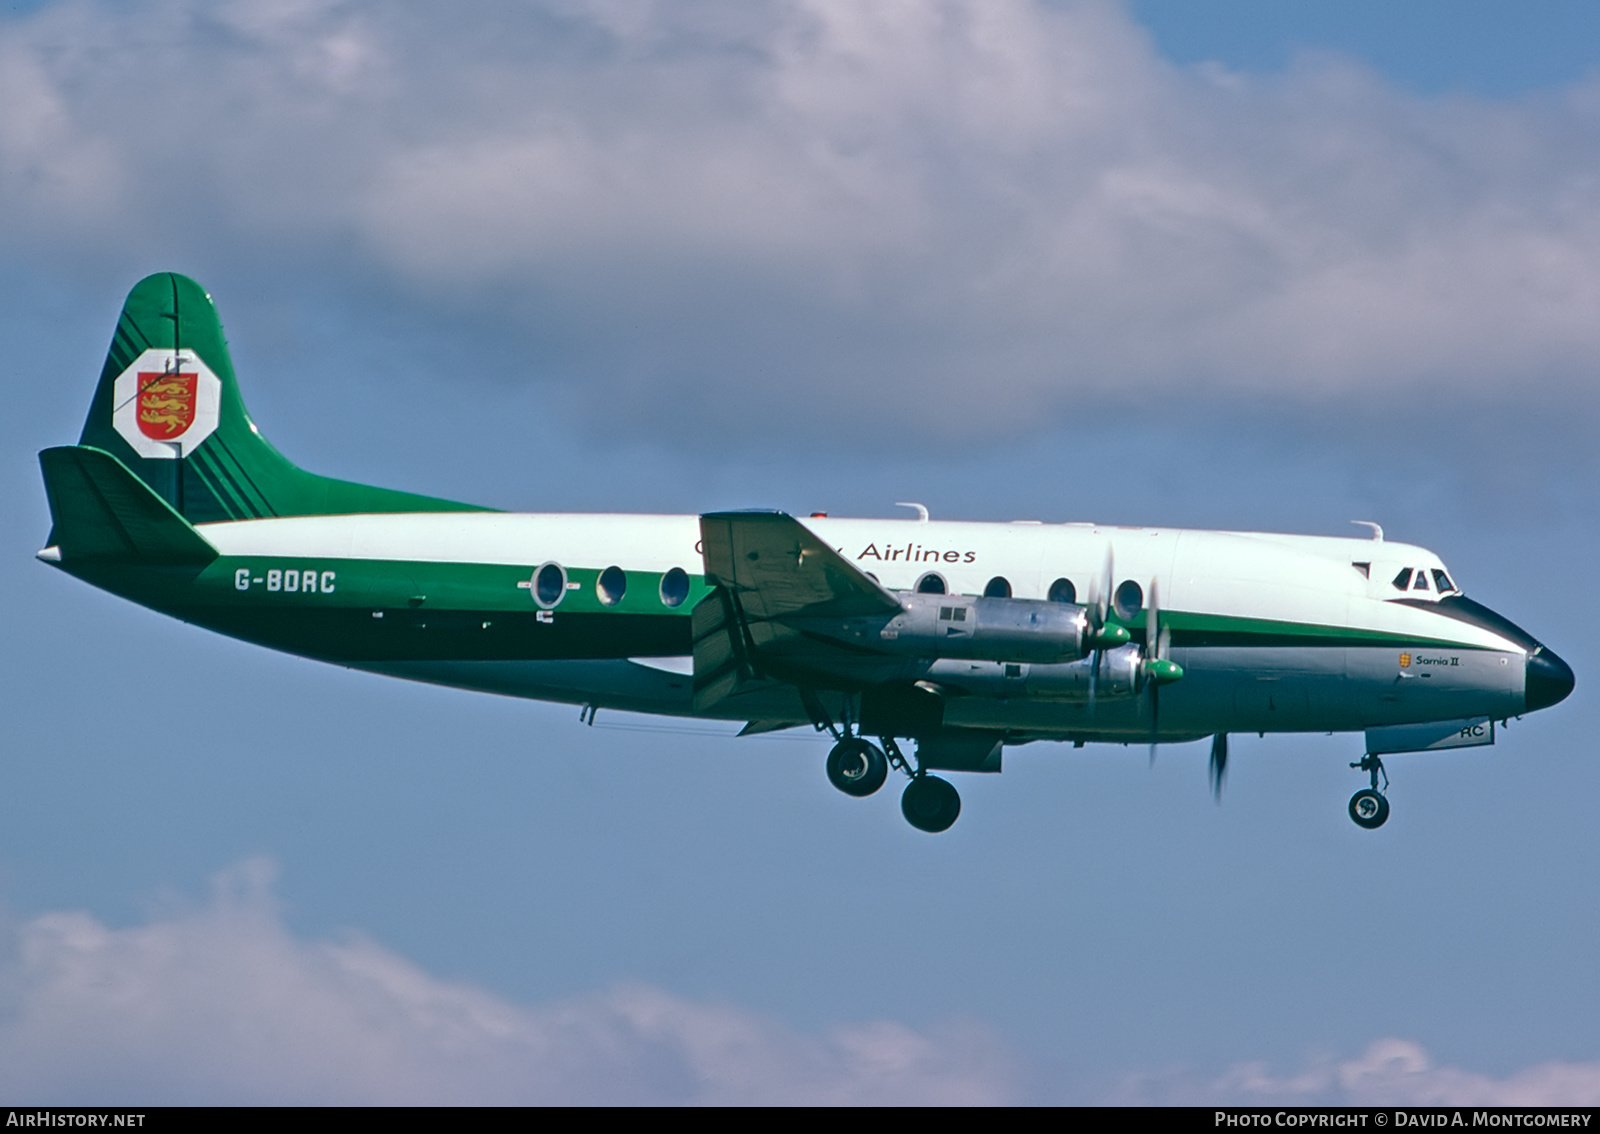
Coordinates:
(960, 639)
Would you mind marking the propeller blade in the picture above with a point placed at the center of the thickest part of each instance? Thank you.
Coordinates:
(1155, 719)
(1107, 582)
(1099, 608)
(1219, 763)
(1152, 622)
(1152, 652)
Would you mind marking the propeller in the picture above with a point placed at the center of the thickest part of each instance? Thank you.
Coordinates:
(1103, 634)
(1159, 670)
(1219, 763)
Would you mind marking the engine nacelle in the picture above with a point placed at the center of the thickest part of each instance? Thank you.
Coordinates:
(989, 629)
(1121, 672)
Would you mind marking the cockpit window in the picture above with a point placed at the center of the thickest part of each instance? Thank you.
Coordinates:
(1441, 582)
(1422, 581)
(1402, 581)
(1364, 568)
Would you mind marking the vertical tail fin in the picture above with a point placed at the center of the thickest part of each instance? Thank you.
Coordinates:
(168, 408)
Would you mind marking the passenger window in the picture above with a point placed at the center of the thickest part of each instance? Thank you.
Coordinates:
(1441, 582)
(549, 585)
(1402, 581)
(931, 584)
(1422, 581)
(1128, 600)
(998, 587)
(674, 587)
(611, 585)
(1062, 590)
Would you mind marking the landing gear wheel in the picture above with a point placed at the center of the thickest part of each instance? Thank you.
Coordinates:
(930, 804)
(1369, 808)
(856, 767)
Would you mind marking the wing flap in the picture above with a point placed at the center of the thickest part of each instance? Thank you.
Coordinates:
(779, 568)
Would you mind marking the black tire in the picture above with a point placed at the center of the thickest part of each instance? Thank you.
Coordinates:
(930, 804)
(1369, 809)
(856, 767)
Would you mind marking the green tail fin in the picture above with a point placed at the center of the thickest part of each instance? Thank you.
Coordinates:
(100, 510)
(168, 408)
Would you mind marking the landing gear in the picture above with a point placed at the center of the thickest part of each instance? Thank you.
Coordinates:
(856, 767)
(1369, 807)
(930, 804)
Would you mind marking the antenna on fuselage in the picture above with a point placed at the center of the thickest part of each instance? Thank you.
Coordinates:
(1377, 529)
(922, 509)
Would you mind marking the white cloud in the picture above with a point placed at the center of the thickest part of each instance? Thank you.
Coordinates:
(221, 1004)
(983, 212)
(1391, 1072)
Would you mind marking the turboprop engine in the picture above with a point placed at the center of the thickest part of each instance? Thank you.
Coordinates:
(1116, 673)
(986, 629)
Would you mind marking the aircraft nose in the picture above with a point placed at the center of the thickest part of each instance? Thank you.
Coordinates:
(1549, 679)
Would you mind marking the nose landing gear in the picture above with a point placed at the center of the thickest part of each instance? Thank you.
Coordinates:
(1369, 807)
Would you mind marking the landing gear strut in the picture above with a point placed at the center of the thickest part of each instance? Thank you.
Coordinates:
(1369, 807)
(858, 767)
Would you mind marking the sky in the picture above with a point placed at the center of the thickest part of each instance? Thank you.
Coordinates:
(1279, 268)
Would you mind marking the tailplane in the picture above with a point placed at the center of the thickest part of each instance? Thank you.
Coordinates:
(100, 510)
(168, 410)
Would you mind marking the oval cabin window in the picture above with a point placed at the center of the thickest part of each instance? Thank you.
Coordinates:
(1128, 600)
(549, 585)
(611, 585)
(931, 584)
(674, 587)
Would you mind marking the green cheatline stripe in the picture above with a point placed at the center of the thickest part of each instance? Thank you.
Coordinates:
(1193, 629)
(225, 492)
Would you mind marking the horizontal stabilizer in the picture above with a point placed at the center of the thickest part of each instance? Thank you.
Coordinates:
(100, 510)
(779, 568)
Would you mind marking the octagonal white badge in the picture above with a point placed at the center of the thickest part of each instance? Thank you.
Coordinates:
(166, 403)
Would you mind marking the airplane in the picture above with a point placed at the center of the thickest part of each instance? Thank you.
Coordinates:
(960, 639)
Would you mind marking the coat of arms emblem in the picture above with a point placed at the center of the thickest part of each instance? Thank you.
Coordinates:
(166, 403)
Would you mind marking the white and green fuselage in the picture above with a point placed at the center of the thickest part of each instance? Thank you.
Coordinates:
(174, 500)
(1274, 633)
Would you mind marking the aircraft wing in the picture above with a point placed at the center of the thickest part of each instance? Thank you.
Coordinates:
(771, 573)
(778, 568)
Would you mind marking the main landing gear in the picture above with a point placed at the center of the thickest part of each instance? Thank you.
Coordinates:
(858, 767)
(1369, 807)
